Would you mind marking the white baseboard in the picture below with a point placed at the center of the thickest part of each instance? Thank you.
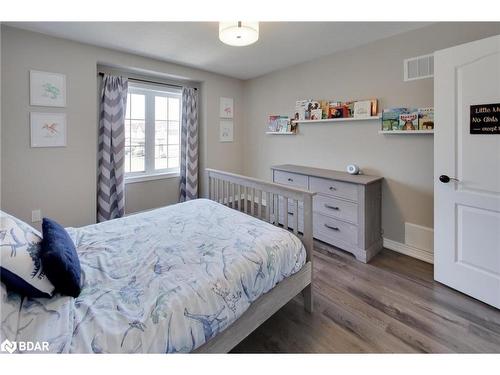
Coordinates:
(419, 236)
(411, 251)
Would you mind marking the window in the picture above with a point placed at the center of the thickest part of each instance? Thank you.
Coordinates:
(152, 131)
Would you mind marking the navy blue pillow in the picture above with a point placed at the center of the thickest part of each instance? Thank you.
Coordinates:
(59, 259)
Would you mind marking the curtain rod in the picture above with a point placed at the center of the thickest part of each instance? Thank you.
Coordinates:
(153, 82)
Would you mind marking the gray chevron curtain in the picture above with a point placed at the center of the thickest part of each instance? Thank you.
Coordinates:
(111, 185)
(189, 145)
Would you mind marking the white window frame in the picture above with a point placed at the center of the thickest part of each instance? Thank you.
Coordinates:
(150, 91)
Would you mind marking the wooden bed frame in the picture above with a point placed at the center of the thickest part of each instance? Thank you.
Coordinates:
(252, 196)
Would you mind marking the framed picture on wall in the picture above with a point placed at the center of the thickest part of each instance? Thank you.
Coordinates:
(48, 129)
(47, 89)
(226, 108)
(226, 131)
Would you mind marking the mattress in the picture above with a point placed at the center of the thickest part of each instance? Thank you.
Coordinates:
(163, 281)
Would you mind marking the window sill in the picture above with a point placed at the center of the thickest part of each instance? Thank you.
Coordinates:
(150, 177)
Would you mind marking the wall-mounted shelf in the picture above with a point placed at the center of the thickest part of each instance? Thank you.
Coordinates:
(281, 133)
(406, 132)
(378, 117)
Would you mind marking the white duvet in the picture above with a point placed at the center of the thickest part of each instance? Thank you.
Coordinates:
(163, 281)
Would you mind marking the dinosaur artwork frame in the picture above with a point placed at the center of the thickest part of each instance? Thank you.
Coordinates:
(48, 129)
(47, 89)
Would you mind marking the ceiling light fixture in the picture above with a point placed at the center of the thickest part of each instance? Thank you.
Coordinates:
(238, 33)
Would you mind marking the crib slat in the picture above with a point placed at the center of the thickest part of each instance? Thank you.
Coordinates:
(219, 191)
(259, 204)
(222, 188)
(245, 192)
(240, 205)
(226, 193)
(252, 203)
(216, 189)
(285, 212)
(235, 191)
(295, 216)
(273, 211)
(268, 206)
(222, 183)
(231, 194)
(277, 213)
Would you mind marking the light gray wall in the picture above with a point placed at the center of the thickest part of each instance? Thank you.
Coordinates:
(62, 181)
(371, 71)
(0, 115)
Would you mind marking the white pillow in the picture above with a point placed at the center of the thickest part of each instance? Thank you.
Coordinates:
(20, 266)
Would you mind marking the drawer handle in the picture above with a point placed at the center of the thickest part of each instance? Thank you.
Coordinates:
(332, 228)
(332, 207)
(290, 213)
(333, 188)
(290, 179)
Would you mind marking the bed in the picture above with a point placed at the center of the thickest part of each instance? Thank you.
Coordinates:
(193, 277)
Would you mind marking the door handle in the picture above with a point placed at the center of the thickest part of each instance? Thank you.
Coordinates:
(445, 179)
(290, 179)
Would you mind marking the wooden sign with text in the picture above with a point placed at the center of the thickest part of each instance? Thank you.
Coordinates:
(485, 119)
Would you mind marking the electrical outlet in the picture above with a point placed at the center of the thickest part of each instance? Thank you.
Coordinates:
(36, 216)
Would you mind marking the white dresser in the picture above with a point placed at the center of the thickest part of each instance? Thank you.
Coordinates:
(346, 209)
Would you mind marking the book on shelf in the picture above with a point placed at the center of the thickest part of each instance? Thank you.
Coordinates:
(278, 124)
(316, 114)
(300, 110)
(324, 105)
(426, 118)
(374, 107)
(363, 108)
(337, 110)
(390, 118)
(304, 109)
(408, 121)
(309, 109)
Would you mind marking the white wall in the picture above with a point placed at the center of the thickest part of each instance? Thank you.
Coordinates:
(371, 71)
(62, 181)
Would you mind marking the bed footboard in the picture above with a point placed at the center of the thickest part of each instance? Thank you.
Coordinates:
(270, 202)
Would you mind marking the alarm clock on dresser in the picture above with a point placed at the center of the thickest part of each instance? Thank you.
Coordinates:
(352, 169)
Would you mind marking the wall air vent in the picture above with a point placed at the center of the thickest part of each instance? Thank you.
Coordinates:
(419, 67)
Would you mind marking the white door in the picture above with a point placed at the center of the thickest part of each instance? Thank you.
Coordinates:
(467, 211)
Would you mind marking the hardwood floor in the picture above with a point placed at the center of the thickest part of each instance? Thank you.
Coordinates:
(391, 305)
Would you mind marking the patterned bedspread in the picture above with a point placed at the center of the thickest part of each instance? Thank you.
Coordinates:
(162, 281)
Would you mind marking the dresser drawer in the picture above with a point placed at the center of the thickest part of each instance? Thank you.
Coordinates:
(336, 207)
(332, 187)
(292, 179)
(332, 230)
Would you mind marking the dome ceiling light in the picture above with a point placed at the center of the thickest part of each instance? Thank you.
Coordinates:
(238, 33)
